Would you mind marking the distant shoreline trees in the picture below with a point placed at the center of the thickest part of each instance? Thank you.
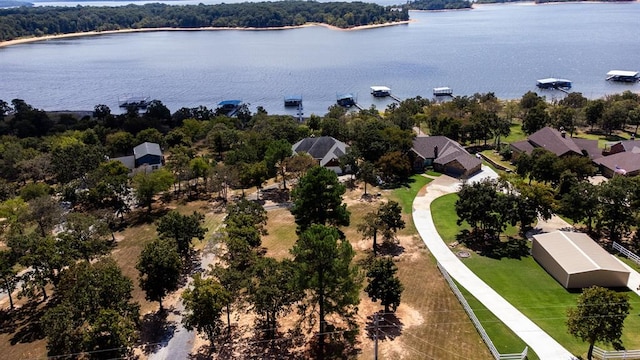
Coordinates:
(41, 21)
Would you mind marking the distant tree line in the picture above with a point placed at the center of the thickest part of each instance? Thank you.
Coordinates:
(12, 3)
(438, 4)
(39, 21)
(549, 1)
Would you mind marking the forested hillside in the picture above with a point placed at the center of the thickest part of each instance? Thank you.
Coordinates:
(438, 4)
(39, 21)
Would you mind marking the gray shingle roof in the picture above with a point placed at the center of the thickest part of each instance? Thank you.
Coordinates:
(323, 149)
(447, 151)
(552, 140)
(523, 146)
(631, 145)
(629, 161)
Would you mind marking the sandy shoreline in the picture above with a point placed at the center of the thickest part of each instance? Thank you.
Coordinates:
(97, 33)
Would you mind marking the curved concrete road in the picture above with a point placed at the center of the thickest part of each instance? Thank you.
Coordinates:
(538, 340)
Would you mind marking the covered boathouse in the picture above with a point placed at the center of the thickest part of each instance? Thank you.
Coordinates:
(623, 76)
(553, 83)
(380, 91)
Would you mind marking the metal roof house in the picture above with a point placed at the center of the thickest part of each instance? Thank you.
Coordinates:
(325, 149)
(146, 154)
(576, 261)
(445, 155)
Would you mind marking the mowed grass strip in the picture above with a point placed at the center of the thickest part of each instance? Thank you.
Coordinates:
(505, 340)
(527, 286)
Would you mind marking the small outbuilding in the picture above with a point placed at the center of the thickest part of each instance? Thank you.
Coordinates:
(576, 261)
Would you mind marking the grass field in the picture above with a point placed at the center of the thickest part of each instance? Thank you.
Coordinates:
(530, 288)
(430, 323)
(505, 340)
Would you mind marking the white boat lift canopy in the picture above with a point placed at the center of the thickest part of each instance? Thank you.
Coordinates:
(380, 89)
(622, 73)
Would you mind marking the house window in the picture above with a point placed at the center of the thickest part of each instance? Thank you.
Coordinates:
(154, 167)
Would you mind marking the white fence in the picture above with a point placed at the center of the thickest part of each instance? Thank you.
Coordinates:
(607, 355)
(496, 354)
(626, 252)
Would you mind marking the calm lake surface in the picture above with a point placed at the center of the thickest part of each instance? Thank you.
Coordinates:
(493, 48)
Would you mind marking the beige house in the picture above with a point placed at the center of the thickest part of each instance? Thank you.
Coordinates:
(576, 261)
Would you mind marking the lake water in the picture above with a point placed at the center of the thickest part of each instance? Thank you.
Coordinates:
(493, 48)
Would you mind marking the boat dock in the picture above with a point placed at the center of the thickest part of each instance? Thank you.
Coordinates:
(623, 76)
(552, 83)
(442, 91)
(229, 107)
(135, 101)
(348, 100)
(293, 101)
(383, 91)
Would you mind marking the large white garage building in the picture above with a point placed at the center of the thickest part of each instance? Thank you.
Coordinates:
(576, 261)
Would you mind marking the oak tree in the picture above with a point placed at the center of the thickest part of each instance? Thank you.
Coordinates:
(160, 267)
(383, 284)
(598, 316)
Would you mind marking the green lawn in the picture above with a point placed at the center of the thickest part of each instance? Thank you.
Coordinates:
(516, 134)
(529, 287)
(405, 195)
(444, 216)
(502, 337)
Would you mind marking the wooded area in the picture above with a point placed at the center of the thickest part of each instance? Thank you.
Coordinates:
(56, 174)
(39, 21)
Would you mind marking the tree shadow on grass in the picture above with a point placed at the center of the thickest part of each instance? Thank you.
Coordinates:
(276, 195)
(390, 248)
(389, 326)
(23, 322)
(156, 331)
(339, 343)
(279, 345)
(491, 246)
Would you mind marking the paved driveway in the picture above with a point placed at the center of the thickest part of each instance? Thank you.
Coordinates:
(538, 340)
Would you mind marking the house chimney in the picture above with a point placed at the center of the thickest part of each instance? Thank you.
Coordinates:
(435, 152)
(563, 133)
